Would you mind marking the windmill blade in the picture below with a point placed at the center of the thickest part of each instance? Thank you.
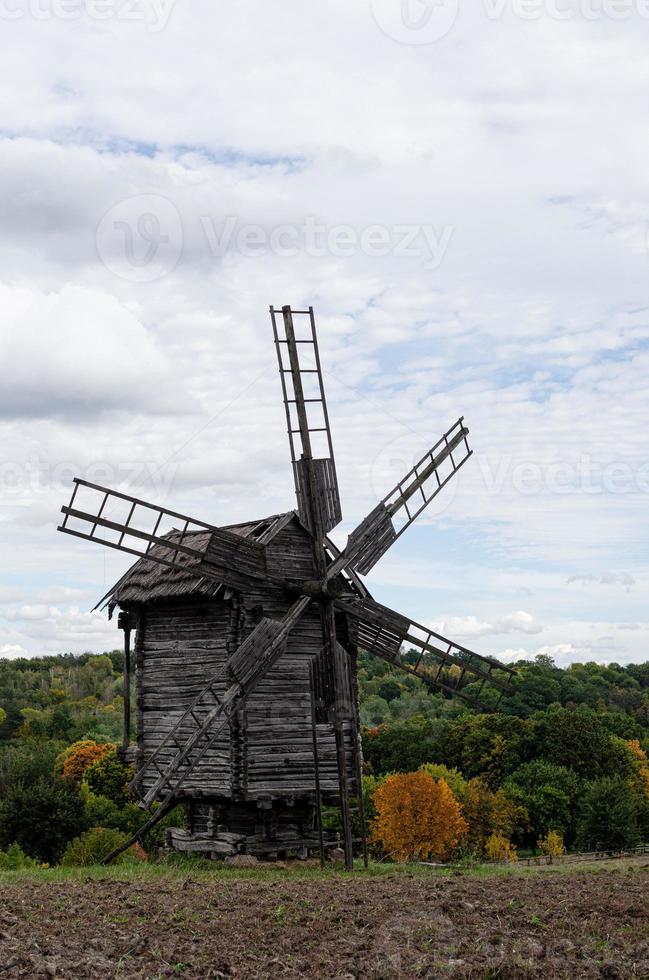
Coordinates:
(200, 725)
(118, 520)
(312, 456)
(383, 632)
(373, 536)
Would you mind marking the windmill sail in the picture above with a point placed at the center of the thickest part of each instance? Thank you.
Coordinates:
(374, 535)
(441, 663)
(316, 483)
(129, 524)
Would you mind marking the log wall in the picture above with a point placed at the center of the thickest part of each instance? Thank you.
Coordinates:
(268, 753)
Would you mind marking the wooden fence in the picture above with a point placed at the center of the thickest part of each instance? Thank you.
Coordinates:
(539, 859)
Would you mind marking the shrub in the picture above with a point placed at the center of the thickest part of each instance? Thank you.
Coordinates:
(15, 859)
(73, 762)
(96, 844)
(498, 848)
(417, 817)
(552, 844)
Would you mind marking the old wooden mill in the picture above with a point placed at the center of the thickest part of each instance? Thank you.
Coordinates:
(247, 638)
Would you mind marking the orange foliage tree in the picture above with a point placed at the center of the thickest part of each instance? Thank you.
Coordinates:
(72, 762)
(417, 817)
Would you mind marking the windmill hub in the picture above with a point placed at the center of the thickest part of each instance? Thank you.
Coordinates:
(247, 636)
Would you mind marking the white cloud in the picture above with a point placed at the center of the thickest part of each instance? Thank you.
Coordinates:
(535, 324)
(518, 622)
(12, 651)
(470, 626)
(43, 630)
(79, 351)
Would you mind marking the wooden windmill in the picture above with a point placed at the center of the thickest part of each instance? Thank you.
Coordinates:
(246, 636)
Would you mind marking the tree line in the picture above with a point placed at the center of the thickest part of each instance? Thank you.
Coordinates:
(562, 763)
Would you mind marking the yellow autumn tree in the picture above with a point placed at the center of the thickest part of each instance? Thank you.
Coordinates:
(72, 762)
(642, 765)
(489, 813)
(498, 848)
(417, 817)
(552, 844)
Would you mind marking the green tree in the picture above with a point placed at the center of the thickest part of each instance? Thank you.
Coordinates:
(534, 687)
(109, 777)
(609, 818)
(577, 738)
(488, 746)
(42, 817)
(402, 746)
(374, 711)
(452, 777)
(550, 794)
(389, 689)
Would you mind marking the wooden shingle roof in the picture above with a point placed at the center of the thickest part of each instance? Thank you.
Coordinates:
(150, 581)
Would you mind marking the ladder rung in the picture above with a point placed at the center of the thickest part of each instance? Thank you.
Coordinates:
(293, 401)
(297, 341)
(301, 371)
(294, 431)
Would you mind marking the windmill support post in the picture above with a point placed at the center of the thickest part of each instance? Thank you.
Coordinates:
(125, 623)
(316, 766)
(339, 712)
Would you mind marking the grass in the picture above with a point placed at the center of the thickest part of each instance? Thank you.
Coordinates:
(182, 868)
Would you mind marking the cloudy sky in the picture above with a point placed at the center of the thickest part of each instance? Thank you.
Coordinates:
(460, 189)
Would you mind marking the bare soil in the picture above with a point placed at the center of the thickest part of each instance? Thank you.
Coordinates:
(568, 923)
